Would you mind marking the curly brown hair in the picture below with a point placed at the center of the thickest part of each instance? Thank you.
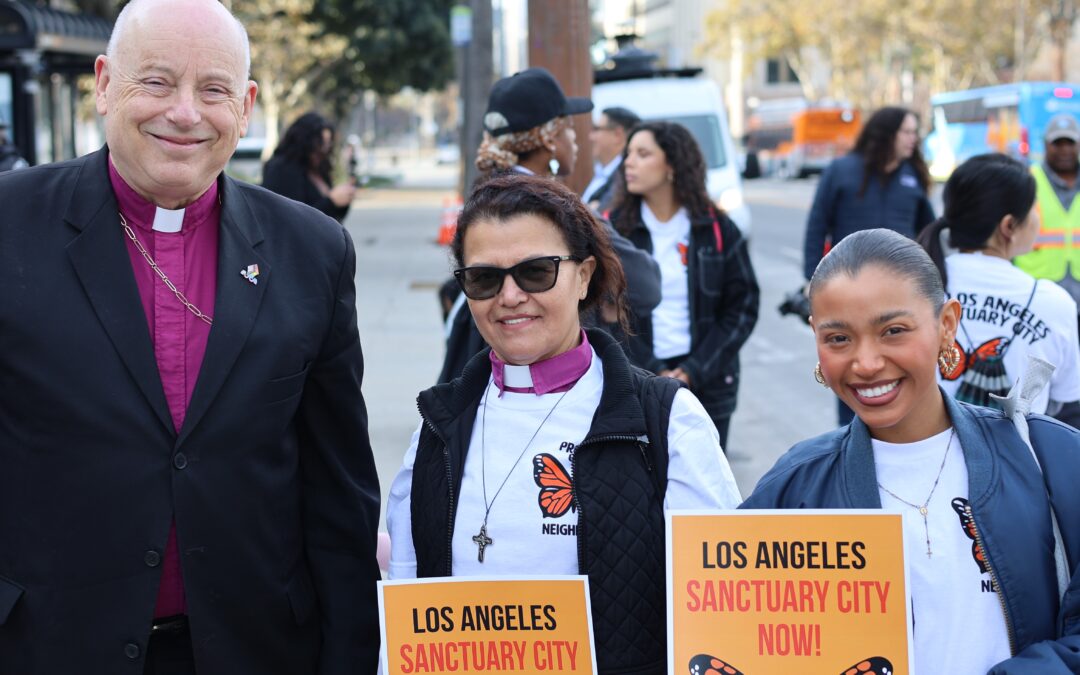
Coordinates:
(506, 195)
(688, 172)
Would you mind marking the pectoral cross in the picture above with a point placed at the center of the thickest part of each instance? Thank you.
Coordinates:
(482, 541)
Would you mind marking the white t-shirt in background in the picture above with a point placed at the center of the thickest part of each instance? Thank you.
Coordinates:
(671, 318)
(957, 620)
(994, 294)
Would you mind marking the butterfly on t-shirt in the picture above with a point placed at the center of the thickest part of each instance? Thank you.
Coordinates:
(960, 505)
(704, 664)
(556, 487)
(684, 252)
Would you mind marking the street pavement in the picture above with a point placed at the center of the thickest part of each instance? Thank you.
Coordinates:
(399, 269)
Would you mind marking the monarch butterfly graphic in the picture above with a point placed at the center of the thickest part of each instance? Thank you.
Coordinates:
(684, 252)
(556, 487)
(983, 372)
(960, 505)
(703, 664)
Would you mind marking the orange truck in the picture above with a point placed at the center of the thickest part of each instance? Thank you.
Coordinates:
(793, 140)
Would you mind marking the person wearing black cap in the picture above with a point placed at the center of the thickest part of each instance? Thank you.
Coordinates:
(9, 154)
(527, 129)
(527, 126)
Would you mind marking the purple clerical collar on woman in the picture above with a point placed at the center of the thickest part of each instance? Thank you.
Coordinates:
(554, 375)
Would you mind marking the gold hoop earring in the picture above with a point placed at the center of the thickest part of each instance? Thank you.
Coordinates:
(819, 376)
(948, 359)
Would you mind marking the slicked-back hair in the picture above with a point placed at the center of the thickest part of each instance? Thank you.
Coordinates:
(622, 117)
(506, 195)
(889, 250)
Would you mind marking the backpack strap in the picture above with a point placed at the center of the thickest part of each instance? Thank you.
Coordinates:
(716, 231)
(657, 394)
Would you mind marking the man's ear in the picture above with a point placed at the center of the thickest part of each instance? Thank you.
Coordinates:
(101, 84)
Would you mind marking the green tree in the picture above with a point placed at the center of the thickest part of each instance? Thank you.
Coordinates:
(391, 44)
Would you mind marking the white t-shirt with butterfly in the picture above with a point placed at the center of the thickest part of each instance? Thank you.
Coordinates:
(532, 523)
(1007, 316)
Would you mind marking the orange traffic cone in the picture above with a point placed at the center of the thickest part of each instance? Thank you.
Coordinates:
(451, 208)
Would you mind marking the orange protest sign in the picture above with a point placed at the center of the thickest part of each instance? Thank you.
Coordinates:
(470, 625)
(800, 591)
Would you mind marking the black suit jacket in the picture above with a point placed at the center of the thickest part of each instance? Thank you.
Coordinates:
(271, 480)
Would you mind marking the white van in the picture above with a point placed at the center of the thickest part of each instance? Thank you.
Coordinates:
(694, 101)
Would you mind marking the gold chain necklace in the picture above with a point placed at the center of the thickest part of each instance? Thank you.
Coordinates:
(924, 509)
(153, 265)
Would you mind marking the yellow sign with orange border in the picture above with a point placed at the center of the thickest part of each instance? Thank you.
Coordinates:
(473, 625)
(787, 591)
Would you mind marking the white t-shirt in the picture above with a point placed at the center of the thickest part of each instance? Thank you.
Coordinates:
(533, 527)
(671, 318)
(994, 294)
(957, 620)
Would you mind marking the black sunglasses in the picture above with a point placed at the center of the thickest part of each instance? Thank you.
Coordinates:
(535, 275)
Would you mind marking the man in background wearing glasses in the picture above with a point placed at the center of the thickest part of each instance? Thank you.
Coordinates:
(608, 137)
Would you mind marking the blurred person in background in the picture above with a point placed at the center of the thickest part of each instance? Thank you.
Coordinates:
(586, 451)
(527, 130)
(10, 158)
(1056, 251)
(608, 138)
(883, 182)
(1007, 315)
(709, 294)
(300, 168)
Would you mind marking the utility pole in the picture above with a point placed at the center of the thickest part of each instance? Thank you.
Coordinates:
(559, 41)
(475, 76)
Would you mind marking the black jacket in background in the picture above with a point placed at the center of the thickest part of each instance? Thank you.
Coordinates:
(290, 179)
(723, 311)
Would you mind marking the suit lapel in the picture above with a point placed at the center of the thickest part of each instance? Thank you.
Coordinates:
(236, 304)
(101, 262)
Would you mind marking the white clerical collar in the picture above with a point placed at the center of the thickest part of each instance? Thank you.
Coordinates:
(519, 377)
(168, 220)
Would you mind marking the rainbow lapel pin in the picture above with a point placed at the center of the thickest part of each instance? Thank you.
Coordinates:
(251, 274)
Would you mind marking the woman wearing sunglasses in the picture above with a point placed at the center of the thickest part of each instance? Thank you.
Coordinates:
(988, 565)
(709, 295)
(551, 454)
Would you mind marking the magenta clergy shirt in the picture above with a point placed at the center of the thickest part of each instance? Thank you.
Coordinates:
(189, 259)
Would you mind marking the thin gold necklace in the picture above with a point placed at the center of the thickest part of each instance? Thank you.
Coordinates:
(924, 509)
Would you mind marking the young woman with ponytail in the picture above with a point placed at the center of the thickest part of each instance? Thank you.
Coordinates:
(990, 218)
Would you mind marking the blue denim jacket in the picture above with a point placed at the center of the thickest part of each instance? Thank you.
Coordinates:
(1007, 496)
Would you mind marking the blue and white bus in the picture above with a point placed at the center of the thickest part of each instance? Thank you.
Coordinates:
(1008, 118)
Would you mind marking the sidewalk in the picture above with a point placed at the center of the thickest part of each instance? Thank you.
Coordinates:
(398, 271)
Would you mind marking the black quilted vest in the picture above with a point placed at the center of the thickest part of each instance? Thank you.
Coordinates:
(619, 483)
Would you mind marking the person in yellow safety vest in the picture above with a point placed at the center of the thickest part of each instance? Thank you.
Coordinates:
(1056, 253)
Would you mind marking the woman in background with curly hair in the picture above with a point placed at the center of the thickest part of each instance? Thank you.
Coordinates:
(709, 294)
